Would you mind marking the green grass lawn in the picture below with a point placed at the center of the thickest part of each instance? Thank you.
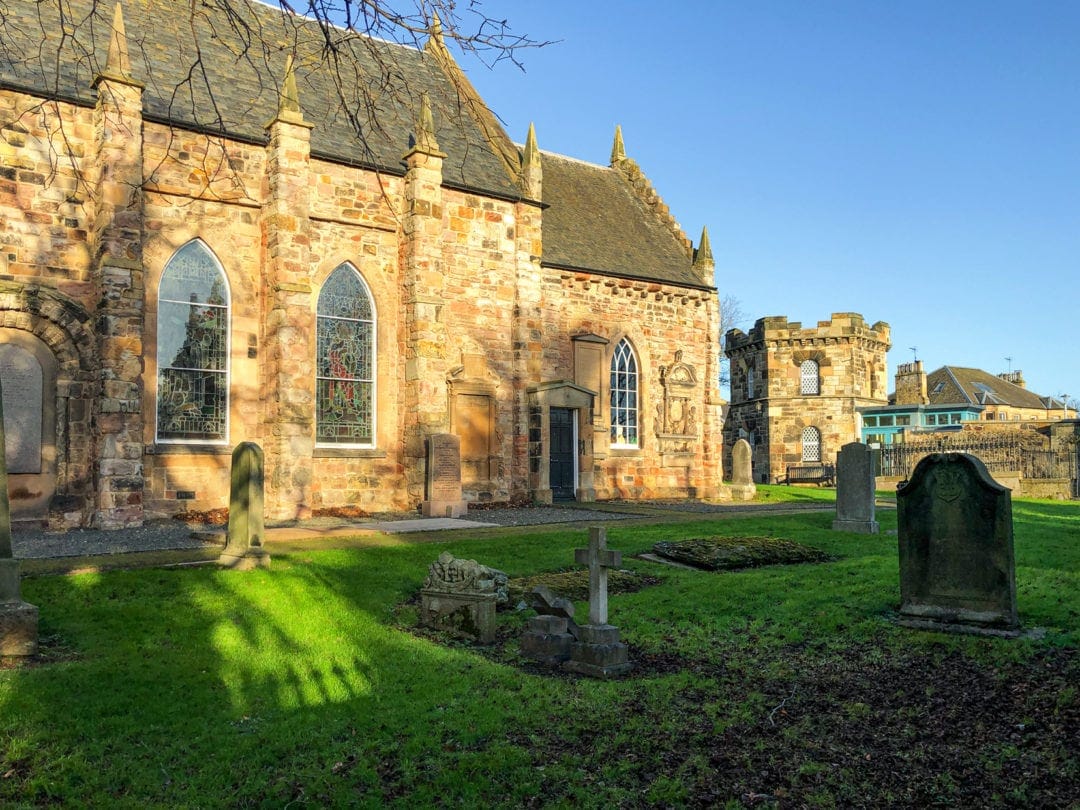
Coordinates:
(783, 686)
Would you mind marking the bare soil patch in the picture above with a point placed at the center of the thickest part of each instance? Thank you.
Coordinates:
(728, 553)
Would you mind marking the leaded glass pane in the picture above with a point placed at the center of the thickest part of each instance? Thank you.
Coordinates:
(624, 393)
(344, 295)
(811, 444)
(345, 361)
(192, 336)
(344, 349)
(808, 377)
(346, 412)
(192, 404)
(193, 348)
(193, 276)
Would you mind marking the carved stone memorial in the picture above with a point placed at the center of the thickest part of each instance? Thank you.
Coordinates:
(742, 471)
(244, 547)
(462, 595)
(444, 478)
(18, 619)
(955, 531)
(855, 495)
(550, 635)
(598, 651)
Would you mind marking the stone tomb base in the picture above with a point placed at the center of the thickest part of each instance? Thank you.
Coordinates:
(245, 560)
(742, 492)
(547, 640)
(18, 628)
(444, 509)
(959, 620)
(598, 652)
(469, 613)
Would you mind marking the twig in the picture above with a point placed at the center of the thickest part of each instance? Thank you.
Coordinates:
(779, 706)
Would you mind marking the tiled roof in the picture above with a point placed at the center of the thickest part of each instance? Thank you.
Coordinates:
(593, 221)
(589, 201)
(956, 384)
(244, 86)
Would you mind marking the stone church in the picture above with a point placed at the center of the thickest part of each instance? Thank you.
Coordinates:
(197, 249)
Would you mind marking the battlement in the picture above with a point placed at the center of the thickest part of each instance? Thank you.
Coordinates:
(841, 327)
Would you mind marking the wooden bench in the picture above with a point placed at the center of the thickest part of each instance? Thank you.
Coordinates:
(811, 474)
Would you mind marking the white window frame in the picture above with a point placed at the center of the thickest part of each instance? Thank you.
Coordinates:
(811, 438)
(624, 350)
(809, 377)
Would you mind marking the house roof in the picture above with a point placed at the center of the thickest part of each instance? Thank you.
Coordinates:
(973, 386)
(594, 221)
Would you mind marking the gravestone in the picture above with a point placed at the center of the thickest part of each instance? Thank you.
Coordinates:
(550, 635)
(955, 532)
(598, 651)
(742, 471)
(244, 547)
(855, 495)
(18, 619)
(461, 596)
(23, 382)
(444, 478)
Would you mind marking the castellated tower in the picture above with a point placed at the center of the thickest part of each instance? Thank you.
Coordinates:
(794, 391)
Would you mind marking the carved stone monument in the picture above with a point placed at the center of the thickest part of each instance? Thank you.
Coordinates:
(461, 595)
(551, 634)
(957, 571)
(444, 478)
(855, 495)
(244, 547)
(742, 471)
(18, 619)
(598, 651)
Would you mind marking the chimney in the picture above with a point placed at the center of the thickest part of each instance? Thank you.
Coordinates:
(1014, 377)
(911, 384)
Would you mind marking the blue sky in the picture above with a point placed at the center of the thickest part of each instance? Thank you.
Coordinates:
(916, 162)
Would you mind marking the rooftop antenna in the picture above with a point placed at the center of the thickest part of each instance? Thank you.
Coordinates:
(914, 353)
(1009, 359)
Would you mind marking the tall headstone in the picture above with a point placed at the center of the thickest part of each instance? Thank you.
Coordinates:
(957, 571)
(244, 547)
(18, 619)
(742, 471)
(855, 494)
(598, 651)
(444, 497)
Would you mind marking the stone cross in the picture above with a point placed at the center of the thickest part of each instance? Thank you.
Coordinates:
(599, 559)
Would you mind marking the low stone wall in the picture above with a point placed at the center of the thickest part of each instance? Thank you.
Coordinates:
(1058, 488)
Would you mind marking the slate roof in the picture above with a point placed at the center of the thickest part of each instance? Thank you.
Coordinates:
(951, 385)
(593, 221)
(586, 200)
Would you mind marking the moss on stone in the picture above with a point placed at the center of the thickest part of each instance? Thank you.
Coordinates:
(726, 553)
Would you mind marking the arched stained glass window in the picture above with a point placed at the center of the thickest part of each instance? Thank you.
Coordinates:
(345, 361)
(624, 396)
(193, 348)
(811, 444)
(808, 378)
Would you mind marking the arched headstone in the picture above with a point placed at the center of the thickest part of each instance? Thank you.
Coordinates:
(957, 571)
(244, 548)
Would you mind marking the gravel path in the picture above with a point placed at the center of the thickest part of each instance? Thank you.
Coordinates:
(172, 534)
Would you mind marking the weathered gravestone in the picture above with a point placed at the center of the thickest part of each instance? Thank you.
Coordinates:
(598, 651)
(444, 478)
(244, 549)
(18, 619)
(742, 471)
(956, 548)
(550, 635)
(855, 495)
(461, 595)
